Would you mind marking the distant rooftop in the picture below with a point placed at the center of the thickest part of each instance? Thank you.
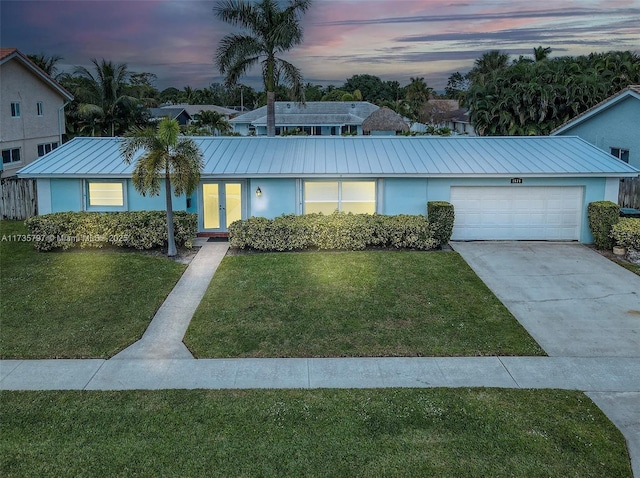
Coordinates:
(311, 113)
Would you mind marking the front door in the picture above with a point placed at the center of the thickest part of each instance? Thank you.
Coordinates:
(221, 205)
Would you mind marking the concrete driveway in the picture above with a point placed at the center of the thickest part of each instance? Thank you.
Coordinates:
(573, 301)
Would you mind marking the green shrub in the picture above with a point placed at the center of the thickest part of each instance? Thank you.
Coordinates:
(602, 216)
(626, 233)
(135, 229)
(441, 215)
(335, 231)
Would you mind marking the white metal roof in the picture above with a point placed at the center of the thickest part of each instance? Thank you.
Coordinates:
(359, 156)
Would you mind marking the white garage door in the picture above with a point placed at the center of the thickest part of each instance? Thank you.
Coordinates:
(517, 213)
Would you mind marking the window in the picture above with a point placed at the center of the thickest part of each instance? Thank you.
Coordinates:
(347, 196)
(39, 108)
(46, 148)
(106, 194)
(10, 155)
(621, 154)
(15, 110)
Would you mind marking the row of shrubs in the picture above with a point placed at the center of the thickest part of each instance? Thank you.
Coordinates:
(134, 229)
(609, 229)
(343, 231)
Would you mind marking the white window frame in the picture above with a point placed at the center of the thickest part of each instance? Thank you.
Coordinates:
(96, 207)
(340, 182)
(15, 109)
(619, 154)
(39, 108)
(11, 153)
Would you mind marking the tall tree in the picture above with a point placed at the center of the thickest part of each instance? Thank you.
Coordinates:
(213, 121)
(417, 96)
(271, 31)
(47, 63)
(103, 95)
(488, 65)
(541, 53)
(166, 155)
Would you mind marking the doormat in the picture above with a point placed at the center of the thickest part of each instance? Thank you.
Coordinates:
(218, 239)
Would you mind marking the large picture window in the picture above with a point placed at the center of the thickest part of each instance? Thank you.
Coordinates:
(358, 197)
(103, 194)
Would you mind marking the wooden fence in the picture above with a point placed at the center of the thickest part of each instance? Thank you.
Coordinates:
(18, 198)
(629, 193)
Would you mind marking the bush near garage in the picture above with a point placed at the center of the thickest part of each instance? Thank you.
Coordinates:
(337, 231)
(602, 217)
(131, 229)
(441, 215)
(626, 233)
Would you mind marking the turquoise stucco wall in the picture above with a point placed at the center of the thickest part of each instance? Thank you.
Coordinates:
(66, 195)
(615, 127)
(281, 196)
(278, 197)
(404, 196)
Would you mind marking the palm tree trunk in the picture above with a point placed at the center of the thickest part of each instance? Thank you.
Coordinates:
(271, 113)
(171, 241)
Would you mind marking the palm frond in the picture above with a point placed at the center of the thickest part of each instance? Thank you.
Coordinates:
(292, 78)
(235, 48)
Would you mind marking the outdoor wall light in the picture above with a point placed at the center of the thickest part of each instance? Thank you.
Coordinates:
(258, 192)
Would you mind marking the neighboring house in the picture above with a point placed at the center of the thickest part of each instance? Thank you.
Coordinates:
(384, 122)
(612, 125)
(522, 188)
(315, 118)
(31, 111)
(193, 110)
(448, 114)
(176, 112)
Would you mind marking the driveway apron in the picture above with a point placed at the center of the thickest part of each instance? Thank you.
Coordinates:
(572, 300)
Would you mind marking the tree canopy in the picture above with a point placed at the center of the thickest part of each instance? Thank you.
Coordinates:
(534, 97)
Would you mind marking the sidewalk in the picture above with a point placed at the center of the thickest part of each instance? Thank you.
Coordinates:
(595, 375)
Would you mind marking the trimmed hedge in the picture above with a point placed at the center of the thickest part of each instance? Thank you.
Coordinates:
(602, 216)
(626, 233)
(441, 215)
(135, 229)
(335, 231)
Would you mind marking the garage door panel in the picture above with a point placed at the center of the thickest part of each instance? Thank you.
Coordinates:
(517, 213)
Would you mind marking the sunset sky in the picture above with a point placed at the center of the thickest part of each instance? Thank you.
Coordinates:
(393, 39)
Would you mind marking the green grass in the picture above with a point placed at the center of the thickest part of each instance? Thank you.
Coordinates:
(635, 268)
(76, 304)
(354, 433)
(352, 304)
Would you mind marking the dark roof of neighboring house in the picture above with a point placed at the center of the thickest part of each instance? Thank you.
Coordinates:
(353, 156)
(8, 54)
(172, 113)
(384, 119)
(632, 91)
(195, 109)
(315, 112)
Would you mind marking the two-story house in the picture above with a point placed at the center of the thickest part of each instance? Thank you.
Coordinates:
(31, 111)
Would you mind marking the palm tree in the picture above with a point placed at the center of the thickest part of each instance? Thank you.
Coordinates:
(103, 93)
(169, 156)
(541, 53)
(272, 30)
(213, 121)
(47, 63)
(418, 94)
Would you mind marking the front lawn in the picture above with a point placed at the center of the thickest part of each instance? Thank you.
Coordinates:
(371, 303)
(354, 433)
(76, 304)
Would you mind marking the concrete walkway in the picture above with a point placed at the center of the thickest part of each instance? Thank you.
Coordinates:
(163, 337)
(159, 360)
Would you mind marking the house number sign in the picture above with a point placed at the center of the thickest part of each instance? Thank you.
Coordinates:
(516, 180)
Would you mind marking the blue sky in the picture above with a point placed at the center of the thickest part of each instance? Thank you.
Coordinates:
(393, 39)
